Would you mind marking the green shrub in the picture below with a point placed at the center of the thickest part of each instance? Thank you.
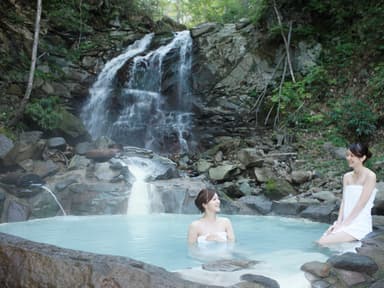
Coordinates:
(294, 98)
(45, 112)
(376, 85)
(354, 119)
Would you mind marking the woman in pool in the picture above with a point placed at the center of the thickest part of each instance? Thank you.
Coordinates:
(210, 228)
(354, 221)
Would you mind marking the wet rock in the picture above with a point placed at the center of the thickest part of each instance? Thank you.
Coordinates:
(15, 211)
(102, 172)
(169, 173)
(78, 162)
(375, 253)
(83, 147)
(317, 268)
(325, 196)
(351, 278)
(176, 195)
(266, 282)
(292, 205)
(320, 284)
(70, 268)
(58, 143)
(98, 198)
(61, 185)
(354, 262)
(320, 213)
(229, 265)
(259, 203)
(101, 155)
(44, 205)
(45, 168)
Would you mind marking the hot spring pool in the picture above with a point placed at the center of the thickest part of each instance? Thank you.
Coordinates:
(281, 244)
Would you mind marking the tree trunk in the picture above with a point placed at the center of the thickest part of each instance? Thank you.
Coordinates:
(19, 112)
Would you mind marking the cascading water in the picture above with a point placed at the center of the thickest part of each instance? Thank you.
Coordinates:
(139, 198)
(95, 112)
(142, 193)
(151, 108)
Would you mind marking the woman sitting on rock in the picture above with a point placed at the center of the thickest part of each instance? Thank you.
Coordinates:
(354, 221)
(210, 228)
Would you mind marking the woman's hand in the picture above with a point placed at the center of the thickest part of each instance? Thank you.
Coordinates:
(214, 237)
(333, 228)
(337, 226)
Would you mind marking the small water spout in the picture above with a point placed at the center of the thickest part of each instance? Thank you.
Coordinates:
(52, 194)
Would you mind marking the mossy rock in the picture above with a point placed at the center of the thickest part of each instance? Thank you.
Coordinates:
(276, 189)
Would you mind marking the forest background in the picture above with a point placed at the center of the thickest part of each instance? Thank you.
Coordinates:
(341, 100)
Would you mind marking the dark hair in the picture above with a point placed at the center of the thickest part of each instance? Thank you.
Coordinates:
(204, 196)
(360, 150)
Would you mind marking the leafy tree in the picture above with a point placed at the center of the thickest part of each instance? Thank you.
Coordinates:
(222, 11)
(28, 91)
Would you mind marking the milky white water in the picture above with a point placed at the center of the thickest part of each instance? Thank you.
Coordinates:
(281, 245)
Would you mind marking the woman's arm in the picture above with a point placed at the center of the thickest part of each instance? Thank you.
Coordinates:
(368, 187)
(341, 209)
(192, 233)
(336, 225)
(229, 230)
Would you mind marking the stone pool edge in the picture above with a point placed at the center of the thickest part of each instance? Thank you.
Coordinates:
(25, 263)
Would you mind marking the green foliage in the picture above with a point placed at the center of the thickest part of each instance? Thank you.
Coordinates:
(293, 96)
(16, 18)
(270, 185)
(67, 16)
(336, 138)
(354, 118)
(45, 112)
(222, 11)
(376, 84)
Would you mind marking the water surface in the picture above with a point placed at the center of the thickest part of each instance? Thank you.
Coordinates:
(281, 245)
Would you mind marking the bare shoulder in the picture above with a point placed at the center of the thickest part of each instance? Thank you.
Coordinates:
(195, 224)
(347, 178)
(348, 175)
(224, 220)
(371, 176)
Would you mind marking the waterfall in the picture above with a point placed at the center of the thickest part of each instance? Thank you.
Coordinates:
(94, 112)
(152, 108)
(142, 193)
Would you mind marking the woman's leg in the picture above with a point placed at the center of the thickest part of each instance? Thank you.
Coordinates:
(338, 237)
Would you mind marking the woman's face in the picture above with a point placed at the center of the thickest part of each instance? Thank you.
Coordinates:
(353, 160)
(214, 204)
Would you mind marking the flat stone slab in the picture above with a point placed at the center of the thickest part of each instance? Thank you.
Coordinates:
(229, 265)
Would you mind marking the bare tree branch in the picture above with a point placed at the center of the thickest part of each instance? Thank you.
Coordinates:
(28, 91)
(286, 42)
(260, 99)
(280, 90)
